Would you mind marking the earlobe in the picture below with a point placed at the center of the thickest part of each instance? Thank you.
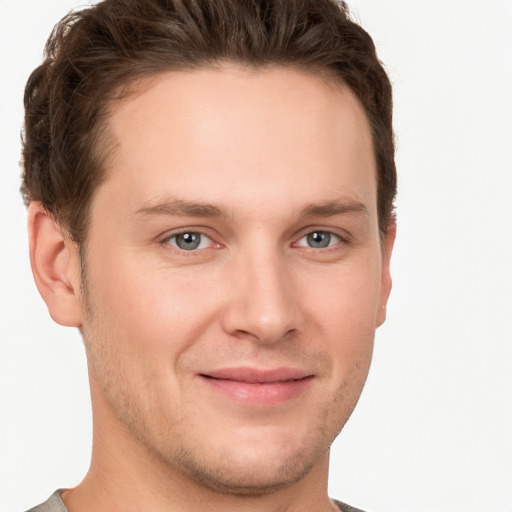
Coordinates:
(386, 281)
(55, 266)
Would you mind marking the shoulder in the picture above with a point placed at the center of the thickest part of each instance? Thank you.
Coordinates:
(346, 508)
(53, 504)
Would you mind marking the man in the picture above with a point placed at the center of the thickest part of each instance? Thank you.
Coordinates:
(210, 189)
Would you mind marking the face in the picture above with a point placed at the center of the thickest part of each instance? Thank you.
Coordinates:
(235, 273)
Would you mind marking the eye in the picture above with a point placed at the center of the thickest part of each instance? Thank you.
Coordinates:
(189, 241)
(319, 240)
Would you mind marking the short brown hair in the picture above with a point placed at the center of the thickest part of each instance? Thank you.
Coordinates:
(94, 53)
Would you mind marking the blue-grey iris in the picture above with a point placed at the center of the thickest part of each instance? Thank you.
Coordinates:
(319, 239)
(188, 241)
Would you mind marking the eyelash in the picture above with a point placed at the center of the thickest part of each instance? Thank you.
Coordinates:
(338, 239)
(167, 241)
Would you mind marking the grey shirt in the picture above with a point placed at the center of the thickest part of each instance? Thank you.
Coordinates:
(55, 504)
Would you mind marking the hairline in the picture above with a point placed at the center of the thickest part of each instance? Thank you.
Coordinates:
(105, 144)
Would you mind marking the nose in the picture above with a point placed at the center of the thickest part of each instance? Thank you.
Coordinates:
(262, 299)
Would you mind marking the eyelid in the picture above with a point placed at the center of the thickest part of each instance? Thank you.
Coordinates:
(342, 235)
(337, 240)
(168, 235)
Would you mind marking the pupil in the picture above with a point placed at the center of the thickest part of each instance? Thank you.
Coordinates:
(319, 239)
(188, 241)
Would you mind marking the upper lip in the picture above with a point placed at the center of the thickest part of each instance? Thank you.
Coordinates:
(257, 375)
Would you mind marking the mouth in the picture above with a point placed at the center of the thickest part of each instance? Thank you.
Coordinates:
(257, 387)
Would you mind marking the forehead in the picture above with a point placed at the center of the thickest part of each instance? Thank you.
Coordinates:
(254, 135)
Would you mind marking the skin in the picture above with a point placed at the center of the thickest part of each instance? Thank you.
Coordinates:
(254, 162)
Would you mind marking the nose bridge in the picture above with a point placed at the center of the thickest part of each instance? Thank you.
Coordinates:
(263, 303)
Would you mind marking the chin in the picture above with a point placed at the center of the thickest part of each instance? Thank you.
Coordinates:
(253, 465)
(250, 477)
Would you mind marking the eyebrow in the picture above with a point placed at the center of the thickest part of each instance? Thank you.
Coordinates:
(182, 208)
(333, 208)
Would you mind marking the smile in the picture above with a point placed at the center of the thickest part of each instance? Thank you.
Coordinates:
(254, 387)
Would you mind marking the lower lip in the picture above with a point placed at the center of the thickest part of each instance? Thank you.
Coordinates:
(262, 394)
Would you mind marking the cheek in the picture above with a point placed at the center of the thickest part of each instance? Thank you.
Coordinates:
(342, 314)
(140, 326)
(345, 299)
(155, 310)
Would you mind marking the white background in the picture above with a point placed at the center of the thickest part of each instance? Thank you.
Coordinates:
(433, 428)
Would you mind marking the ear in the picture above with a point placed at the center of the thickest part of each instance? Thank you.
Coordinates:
(386, 282)
(56, 267)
